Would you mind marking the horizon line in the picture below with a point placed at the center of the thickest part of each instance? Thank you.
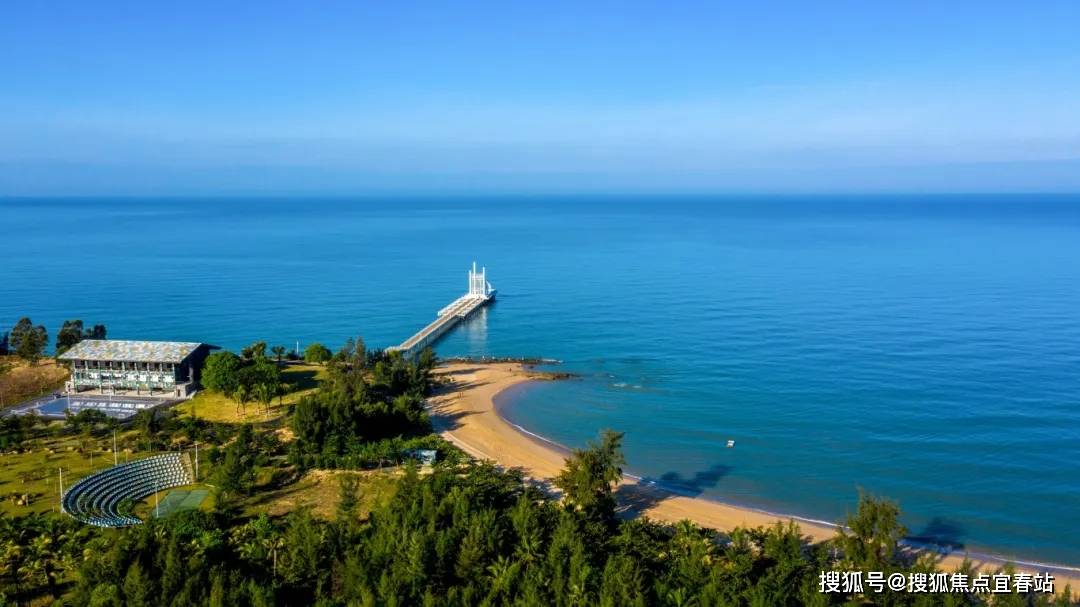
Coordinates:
(524, 194)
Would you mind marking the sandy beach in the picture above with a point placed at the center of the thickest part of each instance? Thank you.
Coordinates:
(464, 412)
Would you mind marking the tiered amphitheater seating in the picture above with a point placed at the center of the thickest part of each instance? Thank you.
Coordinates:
(96, 498)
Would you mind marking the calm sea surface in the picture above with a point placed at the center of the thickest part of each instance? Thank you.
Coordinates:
(923, 348)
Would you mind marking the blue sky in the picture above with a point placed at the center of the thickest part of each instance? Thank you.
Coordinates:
(143, 98)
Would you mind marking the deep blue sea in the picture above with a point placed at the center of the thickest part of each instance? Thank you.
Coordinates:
(923, 348)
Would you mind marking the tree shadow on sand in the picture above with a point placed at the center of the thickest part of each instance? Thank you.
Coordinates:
(451, 387)
(443, 421)
(443, 413)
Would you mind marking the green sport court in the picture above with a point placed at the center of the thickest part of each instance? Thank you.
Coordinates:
(181, 499)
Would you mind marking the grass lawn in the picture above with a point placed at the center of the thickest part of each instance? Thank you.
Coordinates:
(23, 381)
(29, 478)
(319, 490)
(215, 407)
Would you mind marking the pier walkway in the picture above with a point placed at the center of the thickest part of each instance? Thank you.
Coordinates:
(480, 294)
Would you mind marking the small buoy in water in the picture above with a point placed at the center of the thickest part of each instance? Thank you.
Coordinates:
(730, 444)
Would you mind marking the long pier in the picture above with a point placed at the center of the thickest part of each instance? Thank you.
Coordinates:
(480, 294)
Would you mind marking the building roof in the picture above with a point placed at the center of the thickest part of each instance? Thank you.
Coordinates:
(131, 351)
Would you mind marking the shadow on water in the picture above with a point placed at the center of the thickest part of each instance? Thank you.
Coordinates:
(699, 482)
(637, 498)
(940, 532)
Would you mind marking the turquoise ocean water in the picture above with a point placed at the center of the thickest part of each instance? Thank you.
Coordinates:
(923, 348)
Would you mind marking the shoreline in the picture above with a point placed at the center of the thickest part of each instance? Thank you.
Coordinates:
(469, 413)
(501, 401)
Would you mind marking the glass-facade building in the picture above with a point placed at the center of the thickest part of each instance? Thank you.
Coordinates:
(151, 367)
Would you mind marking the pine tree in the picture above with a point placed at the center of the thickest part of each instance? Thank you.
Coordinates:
(589, 475)
(29, 341)
(138, 587)
(870, 542)
(69, 334)
(348, 499)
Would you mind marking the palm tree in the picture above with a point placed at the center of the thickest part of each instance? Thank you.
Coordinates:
(41, 563)
(264, 393)
(69, 544)
(273, 546)
(279, 352)
(250, 550)
(13, 556)
(240, 394)
(13, 564)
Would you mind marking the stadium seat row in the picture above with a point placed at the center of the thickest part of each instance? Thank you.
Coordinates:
(95, 500)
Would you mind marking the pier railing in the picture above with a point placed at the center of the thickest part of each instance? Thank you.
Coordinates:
(480, 294)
